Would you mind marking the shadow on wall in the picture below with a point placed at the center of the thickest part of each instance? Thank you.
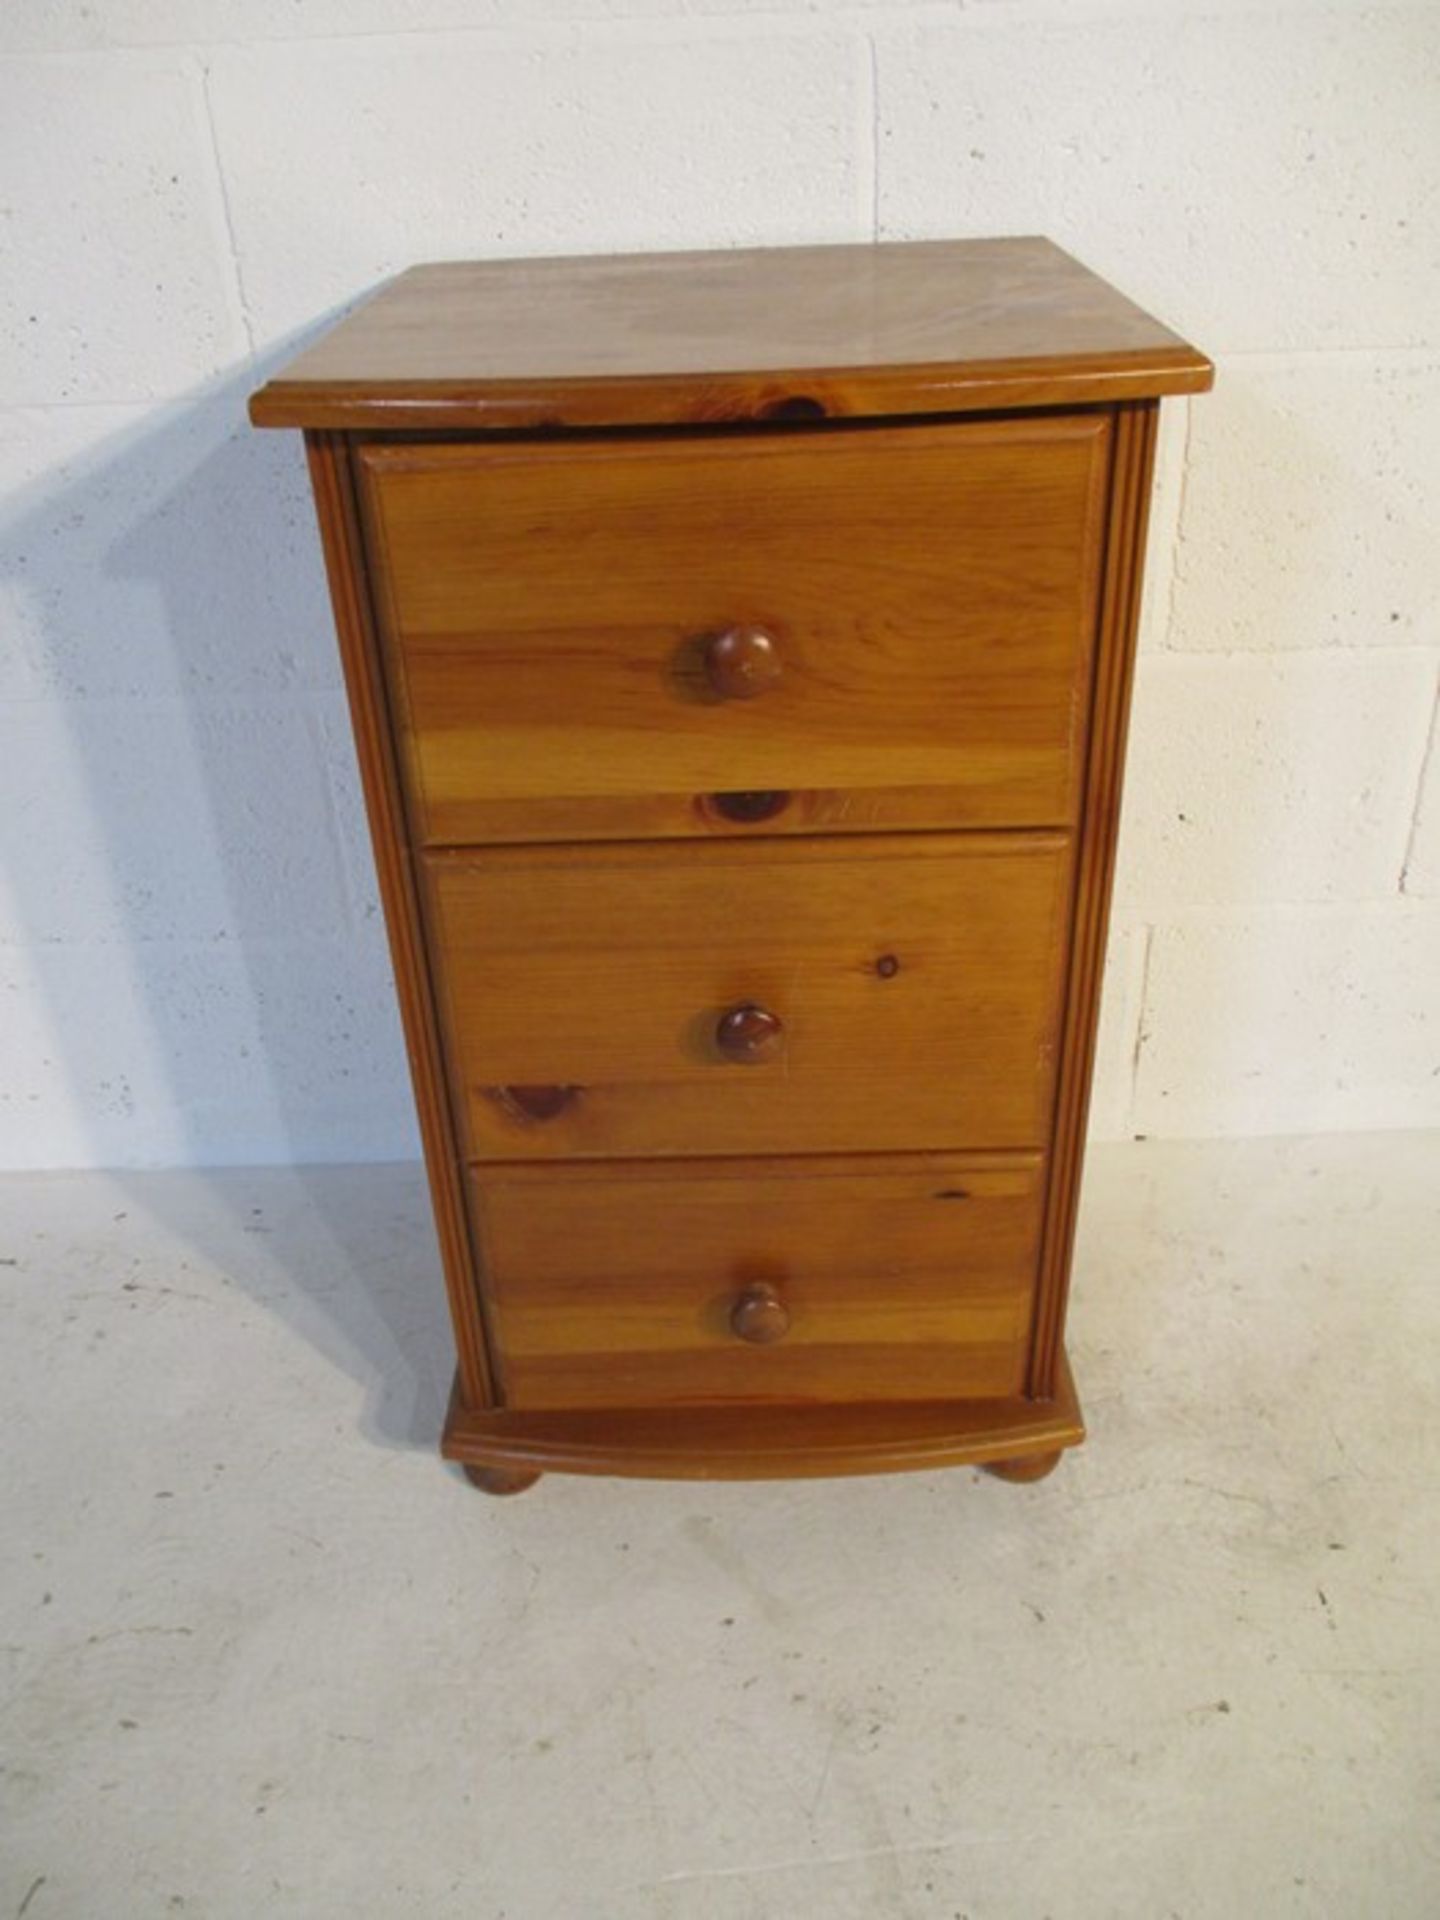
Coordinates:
(191, 940)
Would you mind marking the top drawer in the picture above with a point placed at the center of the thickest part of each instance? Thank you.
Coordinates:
(839, 629)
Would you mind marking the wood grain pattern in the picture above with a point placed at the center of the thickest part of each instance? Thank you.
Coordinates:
(765, 1442)
(331, 483)
(902, 1280)
(792, 333)
(1119, 616)
(926, 593)
(916, 978)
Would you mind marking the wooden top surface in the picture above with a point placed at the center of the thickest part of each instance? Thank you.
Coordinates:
(795, 332)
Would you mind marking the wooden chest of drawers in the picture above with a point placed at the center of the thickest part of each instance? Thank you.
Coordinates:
(738, 647)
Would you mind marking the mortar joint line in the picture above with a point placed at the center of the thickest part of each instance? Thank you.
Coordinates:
(236, 271)
(1142, 1032)
(1427, 757)
(872, 59)
(1177, 531)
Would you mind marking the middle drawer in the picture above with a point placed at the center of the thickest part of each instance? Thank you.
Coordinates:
(778, 996)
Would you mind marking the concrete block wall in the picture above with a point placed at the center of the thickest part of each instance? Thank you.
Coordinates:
(191, 961)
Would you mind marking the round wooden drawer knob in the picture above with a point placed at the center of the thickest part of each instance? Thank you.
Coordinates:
(741, 662)
(749, 1035)
(760, 1316)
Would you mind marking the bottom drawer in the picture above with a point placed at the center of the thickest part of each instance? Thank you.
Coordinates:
(893, 1279)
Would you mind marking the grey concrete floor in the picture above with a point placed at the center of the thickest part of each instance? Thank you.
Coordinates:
(264, 1655)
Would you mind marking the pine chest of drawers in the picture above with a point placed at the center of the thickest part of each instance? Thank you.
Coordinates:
(738, 647)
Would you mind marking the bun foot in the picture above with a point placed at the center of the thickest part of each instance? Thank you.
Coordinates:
(1030, 1466)
(500, 1480)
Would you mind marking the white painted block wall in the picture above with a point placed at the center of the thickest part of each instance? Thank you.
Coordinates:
(192, 967)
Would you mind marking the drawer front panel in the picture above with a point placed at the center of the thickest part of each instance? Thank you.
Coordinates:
(831, 995)
(556, 621)
(880, 1280)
